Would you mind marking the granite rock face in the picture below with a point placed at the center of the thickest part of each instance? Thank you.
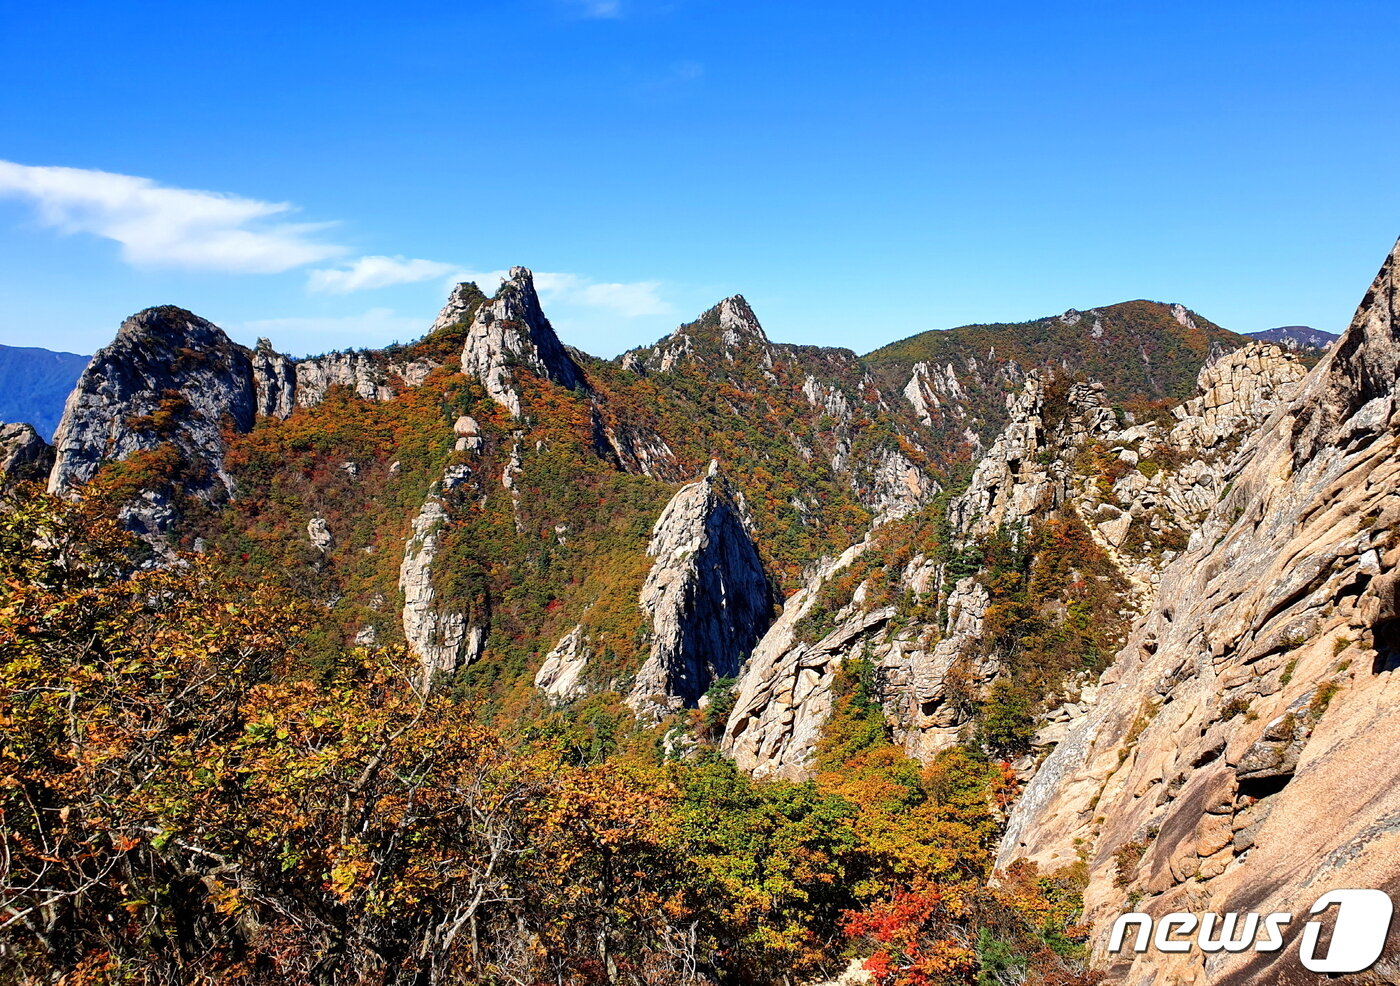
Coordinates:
(510, 331)
(1240, 746)
(785, 692)
(169, 377)
(707, 597)
(24, 456)
(561, 675)
(438, 636)
(274, 380)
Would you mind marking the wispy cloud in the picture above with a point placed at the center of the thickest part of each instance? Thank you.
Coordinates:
(376, 326)
(596, 9)
(158, 225)
(629, 299)
(376, 272)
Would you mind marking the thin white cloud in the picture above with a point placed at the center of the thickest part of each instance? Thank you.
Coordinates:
(597, 9)
(628, 299)
(157, 225)
(374, 327)
(376, 272)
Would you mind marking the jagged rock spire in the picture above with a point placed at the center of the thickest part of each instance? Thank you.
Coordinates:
(511, 330)
(707, 596)
(1362, 367)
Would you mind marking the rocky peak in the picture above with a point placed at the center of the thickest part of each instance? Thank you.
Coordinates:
(737, 323)
(732, 323)
(1236, 388)
(169, 377)
(465, 298)
(511, 331)
(1361, 368)
(707, 596)
(730, 329)
(24, 456)
(1023, 472)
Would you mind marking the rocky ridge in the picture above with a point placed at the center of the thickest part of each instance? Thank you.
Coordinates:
(170, 377)
(512, 331)
(1063, 449)
(1217, 769)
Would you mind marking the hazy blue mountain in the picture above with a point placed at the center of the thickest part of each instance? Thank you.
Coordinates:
(34, 383)
(1297, 338)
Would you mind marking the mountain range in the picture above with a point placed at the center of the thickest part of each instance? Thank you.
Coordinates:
(1135, 569)
(34, 383)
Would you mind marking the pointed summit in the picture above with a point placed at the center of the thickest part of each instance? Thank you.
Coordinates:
(730, 329)
(707, 595)
(169, 377)
(511, 330)
(732, 323)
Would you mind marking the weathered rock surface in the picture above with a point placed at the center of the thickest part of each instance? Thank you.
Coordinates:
(785, 693)
(511, 331)
(561, 675)
(707, 597)
(169, 377)
(24, 456)
(462, 302)
(320, 533)
(354, 370)
(1241, 743)
(274, 381)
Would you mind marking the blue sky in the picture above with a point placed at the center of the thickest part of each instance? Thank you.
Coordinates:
(860, 172)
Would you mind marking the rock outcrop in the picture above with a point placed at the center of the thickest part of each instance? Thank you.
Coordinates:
(729, 331)
(24, 456)
(707, 597)
(462, 303)
(170, 377)
(437, 635)
(1239, 754)
(510, 331)
(274, 381)
(561, 675)
(785, 693)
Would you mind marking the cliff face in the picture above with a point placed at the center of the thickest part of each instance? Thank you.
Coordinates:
(707, 598)
(169, 377)
(1238, 755)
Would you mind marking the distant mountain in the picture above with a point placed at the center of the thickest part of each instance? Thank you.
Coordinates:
(1143, 352)
(1297, 338)
(34, 383)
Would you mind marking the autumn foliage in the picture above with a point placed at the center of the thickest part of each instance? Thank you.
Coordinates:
(181, 802)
